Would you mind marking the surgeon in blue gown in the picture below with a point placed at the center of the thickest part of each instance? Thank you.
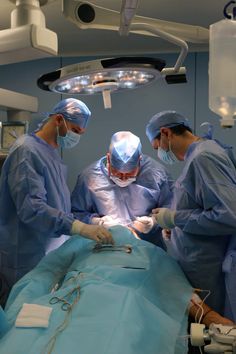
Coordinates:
(202, 217)
(35, 208)
(122, 188)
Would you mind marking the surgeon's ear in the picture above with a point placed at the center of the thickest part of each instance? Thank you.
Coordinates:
(109, 163)
(155, 144)
(59, 119)
(166, 132)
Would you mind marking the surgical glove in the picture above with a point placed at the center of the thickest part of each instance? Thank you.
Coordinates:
(106, 221)
(143, 224)
(92, 232)
(164, 217)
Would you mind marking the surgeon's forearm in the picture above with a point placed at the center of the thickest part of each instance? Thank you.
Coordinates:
(207, 315)
(46, 219)
(203, 222)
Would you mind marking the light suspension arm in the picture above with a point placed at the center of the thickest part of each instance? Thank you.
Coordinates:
(167, 36)
(86, 15)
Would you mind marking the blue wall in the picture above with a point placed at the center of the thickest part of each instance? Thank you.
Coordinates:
(131, 110)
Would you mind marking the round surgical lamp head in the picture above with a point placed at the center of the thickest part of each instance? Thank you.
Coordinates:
(103, 76)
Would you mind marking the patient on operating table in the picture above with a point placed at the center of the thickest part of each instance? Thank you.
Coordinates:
(82, 298)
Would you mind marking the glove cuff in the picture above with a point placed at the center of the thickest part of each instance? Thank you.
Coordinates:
(166, 218)
(96, 221)
(172, 219)
(76, 227)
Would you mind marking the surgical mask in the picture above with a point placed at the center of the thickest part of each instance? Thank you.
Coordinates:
(69, 140)
(122, 183)
(167, 157)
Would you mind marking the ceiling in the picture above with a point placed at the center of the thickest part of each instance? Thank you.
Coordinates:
(73, 41)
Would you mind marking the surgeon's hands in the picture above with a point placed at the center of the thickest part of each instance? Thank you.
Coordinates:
(143, 224)
(106, 221)
(92, 232)
(164, 217)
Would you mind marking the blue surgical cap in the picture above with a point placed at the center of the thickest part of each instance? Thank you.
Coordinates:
(73, 110)
(125, 151)
(167, 119)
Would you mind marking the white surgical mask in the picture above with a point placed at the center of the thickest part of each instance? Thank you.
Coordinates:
(122, 183)
(69, 140)
(167, 157)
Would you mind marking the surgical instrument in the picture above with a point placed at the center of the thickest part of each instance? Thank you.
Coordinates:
(66, 305)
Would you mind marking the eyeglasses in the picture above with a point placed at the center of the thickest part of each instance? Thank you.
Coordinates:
(124, 175)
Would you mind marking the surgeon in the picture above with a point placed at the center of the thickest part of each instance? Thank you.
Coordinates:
(35, 206)
(122, 188)
(201, 222)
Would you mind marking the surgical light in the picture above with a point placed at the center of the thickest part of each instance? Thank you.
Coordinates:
(118, 74)
(104, 76)
(222, 68)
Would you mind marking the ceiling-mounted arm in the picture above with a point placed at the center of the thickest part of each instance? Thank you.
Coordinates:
(127, 13)
(128, 10)
(167, 36)
(86, 15)
(28, 38)
(128, 23)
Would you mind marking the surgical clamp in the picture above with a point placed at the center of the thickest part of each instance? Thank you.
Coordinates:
(66, 305)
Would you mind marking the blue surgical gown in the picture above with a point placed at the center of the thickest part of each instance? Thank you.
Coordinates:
(229, 268)
(95, 194)
(34, 205)
(205, 200)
